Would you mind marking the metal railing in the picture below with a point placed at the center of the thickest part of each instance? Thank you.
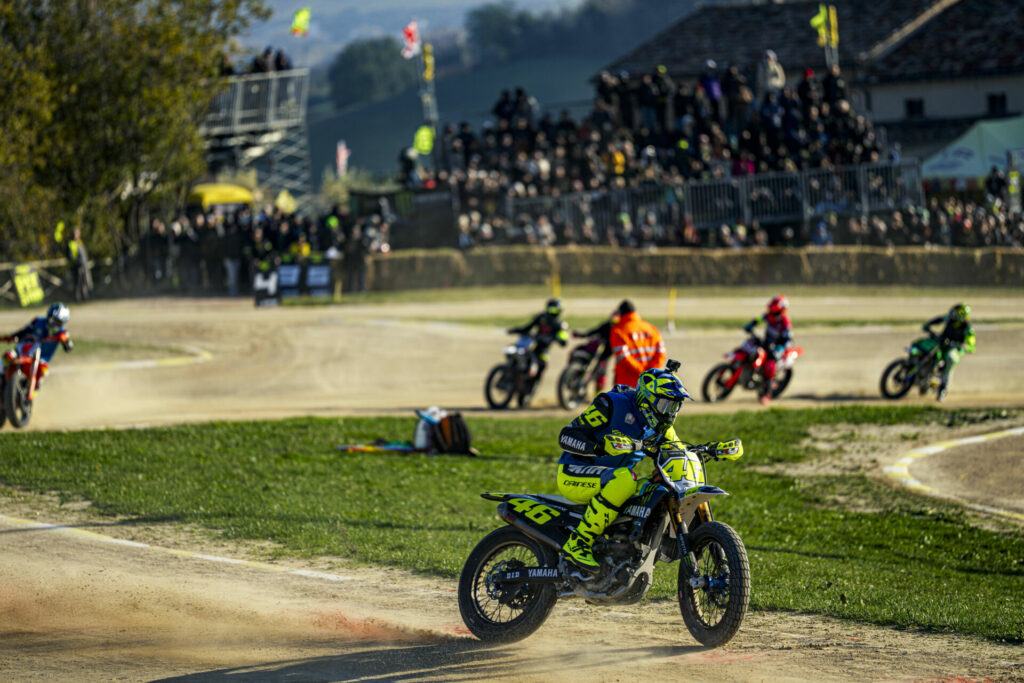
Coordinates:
(767, 197)
(257, 102)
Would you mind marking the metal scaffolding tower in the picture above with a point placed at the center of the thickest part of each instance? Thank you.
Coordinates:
(259, 121)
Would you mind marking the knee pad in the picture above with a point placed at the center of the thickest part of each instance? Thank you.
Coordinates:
(618, 485)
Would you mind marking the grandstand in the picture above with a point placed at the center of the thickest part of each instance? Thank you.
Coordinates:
(925, 69)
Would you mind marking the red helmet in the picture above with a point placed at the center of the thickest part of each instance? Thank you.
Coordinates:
(778, 305)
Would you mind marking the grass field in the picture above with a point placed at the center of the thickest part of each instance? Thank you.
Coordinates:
(617, 293)
(582, 322)
(889, 557)
(103, 349)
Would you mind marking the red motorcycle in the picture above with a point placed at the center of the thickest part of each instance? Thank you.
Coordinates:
(745, 368)
(24, 368)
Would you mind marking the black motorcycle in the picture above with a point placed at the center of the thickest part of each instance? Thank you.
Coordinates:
(515, 378)
(514, 576)
(585, 368)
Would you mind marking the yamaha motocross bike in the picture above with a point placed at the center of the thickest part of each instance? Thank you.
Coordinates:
(514, 576)
(515, 378)
(23, 370)
(745, 367)
(585, 368)
(922, 368)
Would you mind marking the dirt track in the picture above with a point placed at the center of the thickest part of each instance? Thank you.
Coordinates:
(78, 609)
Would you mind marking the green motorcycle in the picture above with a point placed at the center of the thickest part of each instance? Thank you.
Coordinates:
(923, 368)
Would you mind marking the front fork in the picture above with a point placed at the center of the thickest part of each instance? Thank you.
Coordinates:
(686, 556)
(33, 378)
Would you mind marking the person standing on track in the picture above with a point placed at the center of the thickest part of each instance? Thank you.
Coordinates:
(636, 344)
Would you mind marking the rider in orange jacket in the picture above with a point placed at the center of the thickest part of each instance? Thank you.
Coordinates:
(636, 344)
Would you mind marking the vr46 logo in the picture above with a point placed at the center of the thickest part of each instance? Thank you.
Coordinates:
(532, 510)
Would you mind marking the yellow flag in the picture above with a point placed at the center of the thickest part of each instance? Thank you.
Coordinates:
(300, 23)
(833, 26)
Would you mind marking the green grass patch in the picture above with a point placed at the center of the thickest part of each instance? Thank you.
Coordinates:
(93, 350)
(582, 322)
(615, 293)
(847, 546)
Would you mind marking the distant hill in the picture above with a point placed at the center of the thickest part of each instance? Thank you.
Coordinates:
(377, 132)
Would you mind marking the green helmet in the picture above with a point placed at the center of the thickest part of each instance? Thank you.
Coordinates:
(659, 395)
(554, 307)
(960, 313)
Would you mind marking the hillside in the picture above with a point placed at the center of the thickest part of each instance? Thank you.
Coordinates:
(377, 132)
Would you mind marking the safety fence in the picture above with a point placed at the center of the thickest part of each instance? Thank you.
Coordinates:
(767, 197)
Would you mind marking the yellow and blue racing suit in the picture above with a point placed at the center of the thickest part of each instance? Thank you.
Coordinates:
(597, 463)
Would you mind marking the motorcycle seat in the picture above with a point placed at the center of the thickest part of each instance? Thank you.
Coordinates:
(561, 501)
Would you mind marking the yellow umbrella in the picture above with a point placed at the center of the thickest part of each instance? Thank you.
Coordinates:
(212, 194)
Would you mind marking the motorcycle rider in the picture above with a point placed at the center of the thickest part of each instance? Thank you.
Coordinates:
(778, 337)
(43, 327)
(956, 337)
(601, 447)
(603, 332)
(546, 328)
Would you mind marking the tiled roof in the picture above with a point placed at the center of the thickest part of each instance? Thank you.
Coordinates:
(739, 34)
(972, 37)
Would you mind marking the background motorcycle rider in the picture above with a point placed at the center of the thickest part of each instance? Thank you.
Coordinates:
(50, 325)
(956, 337)
(603, 445)
(545, 328)
(603, 331)
(778, 337)
(636, 344)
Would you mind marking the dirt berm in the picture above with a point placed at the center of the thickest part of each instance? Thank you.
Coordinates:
(908, 266)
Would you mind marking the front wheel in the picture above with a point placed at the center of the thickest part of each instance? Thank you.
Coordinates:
(895, 383)
(714, 387)
(500, 386)
(3, 411)
(16, 403)
(571, 389)
(714, 603)
(505, 612)
(781, 381)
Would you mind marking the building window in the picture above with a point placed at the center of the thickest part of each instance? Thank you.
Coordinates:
(914, 108)
(996, 103)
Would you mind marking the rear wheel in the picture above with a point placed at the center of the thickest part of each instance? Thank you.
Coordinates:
(3, 411)
(16, 403)
(500, 386)
(895, 383)
(714, 608)
(571, 389)
(505, 612)
(714, 389)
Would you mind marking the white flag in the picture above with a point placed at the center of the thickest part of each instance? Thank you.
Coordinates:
(411, 45)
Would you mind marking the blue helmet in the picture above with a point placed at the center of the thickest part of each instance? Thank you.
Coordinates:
(659, 395)
(57, 316)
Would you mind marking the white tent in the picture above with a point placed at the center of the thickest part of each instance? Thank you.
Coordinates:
(974, 153)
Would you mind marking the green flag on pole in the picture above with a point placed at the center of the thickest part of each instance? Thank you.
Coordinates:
(820, 22)
(300, 23)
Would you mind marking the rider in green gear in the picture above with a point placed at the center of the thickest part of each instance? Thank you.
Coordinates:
(956, 337)
(603, 445)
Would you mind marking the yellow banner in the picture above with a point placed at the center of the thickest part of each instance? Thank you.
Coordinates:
(26, 282)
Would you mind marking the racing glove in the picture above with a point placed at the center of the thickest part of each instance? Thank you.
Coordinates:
(750, 326)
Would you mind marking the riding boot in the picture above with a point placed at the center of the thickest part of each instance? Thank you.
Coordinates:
(578, 548)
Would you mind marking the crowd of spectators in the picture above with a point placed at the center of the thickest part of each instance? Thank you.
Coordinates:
(647, 129)
(951, 221)
(220, 252)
